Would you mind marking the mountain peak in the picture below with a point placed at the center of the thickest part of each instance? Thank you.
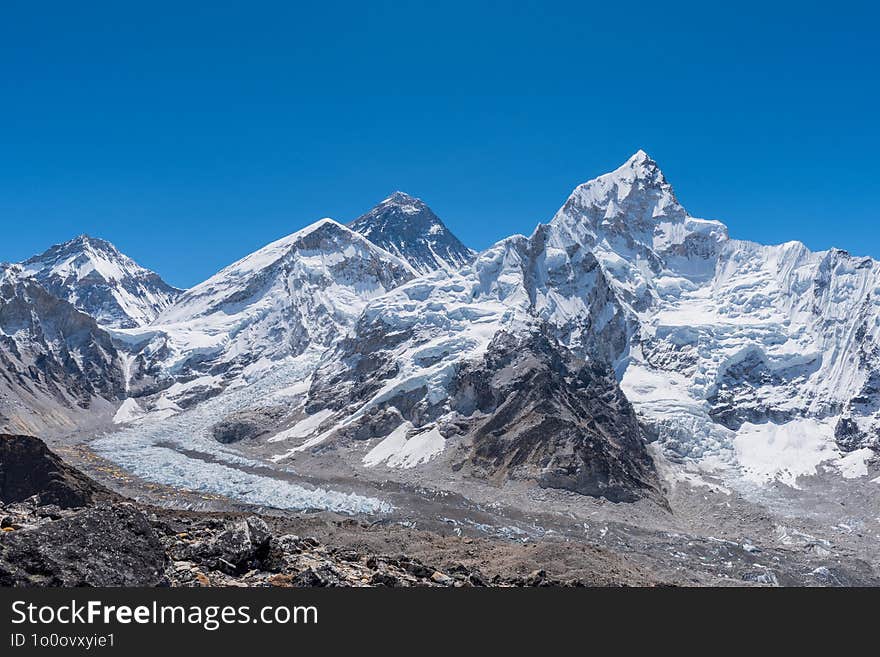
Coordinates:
(408, 228)
(640, 166)
(80, 242)
(631, 214)
(640, 156)
(402, 198)
(96, 278)
(407, 205)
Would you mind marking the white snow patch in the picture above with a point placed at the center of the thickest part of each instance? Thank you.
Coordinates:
(855, 464)
(128, 412)
(388, 446)
(783, 452)
(398, 451)
(304, 428)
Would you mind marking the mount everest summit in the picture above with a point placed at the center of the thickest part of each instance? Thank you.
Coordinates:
(621, 336)
(406, 227)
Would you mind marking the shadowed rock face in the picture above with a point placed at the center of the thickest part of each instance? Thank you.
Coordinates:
(28, 468)
(99, 546)
(246, 425)
(55, 361)
(96, 546)
(50, 343)
(544, 414)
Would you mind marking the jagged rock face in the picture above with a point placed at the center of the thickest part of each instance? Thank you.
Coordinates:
(54, 359)
(97, 279)
(541, 413)
(28, 469)
(99, 546)
(406, 227)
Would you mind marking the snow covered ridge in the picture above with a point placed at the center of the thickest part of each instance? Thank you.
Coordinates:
(302, 292)
(99, 280)
(728, 334)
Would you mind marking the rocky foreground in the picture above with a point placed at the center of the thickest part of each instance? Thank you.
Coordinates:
(60, 528)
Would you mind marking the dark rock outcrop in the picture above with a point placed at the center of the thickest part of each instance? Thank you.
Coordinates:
(98, 546)
(242, 545)
(246, 425)
(544, 414)
(28, 468)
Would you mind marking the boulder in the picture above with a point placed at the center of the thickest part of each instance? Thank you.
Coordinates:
(98, 546)
(235, 548)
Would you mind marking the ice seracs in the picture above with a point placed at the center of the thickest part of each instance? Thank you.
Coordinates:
(726, 333)
(408, 228)
(97, 279)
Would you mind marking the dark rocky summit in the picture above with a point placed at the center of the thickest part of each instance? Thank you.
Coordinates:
(408, 228)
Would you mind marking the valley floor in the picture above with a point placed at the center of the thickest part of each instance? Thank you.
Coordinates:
(826, 533)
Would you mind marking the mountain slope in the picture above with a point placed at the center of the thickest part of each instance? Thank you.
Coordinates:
(95, 277)
(476, 364)
(300, 293)
(57, 366)
(409, 229)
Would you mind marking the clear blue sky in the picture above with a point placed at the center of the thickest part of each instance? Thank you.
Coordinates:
(191, 133)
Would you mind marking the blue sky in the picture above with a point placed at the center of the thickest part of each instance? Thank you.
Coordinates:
(190, 136)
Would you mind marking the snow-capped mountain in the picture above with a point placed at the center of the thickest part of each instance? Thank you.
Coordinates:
(554, 358)
(56, 364)
(97, 279)
(758, 355)
(761, 360)
(300, 293)
(484, 364)
(409, 229)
